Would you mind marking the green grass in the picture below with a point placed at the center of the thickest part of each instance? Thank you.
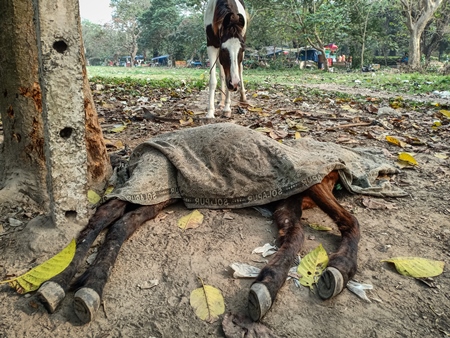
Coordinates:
(384, 79)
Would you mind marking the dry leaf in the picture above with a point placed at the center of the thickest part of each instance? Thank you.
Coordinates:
(208, 303)
(417, 267)
(319, 227)
(396, 141)
(191, 221)
(408, 158)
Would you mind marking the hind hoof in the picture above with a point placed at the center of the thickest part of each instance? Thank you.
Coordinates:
(86, 303)
(330, 284)
(50, 294)
(259, 301)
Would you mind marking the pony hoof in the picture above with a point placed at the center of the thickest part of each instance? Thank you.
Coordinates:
(259, 301)
(86, 303)
(50, 294)
(330, 284)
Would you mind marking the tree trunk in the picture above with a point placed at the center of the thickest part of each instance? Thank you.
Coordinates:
(414, 49)
(418, 14)
(53, 148)
(22, 160)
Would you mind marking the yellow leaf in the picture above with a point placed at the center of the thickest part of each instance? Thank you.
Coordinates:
(264, 129)
(405, 157)
(417, 267)
(93, 197)
(446, 113)
(202, 76)
(297, 135)
(319, 227)
(441, 156)
(32, 280)
(187, 122)
(109, 190)
(312, 266)
(396, 141)
(255, 109)
(298, 99)
(191, 221)
(437, 123)
(301, 127)
(118, 129)
(207, 302)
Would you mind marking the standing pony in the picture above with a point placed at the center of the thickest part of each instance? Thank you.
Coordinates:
(225, 25)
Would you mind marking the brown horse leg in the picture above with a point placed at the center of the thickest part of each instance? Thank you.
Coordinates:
(343, 263)
(290, 235)
(87, 298)
(52, 292)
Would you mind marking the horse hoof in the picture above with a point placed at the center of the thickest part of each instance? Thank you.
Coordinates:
(259, 301)
(86, 303)
(330, 284)
(50, 294)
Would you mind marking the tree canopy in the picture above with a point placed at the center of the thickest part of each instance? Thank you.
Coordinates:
(364, 29)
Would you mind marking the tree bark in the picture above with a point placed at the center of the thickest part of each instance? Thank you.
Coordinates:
(22, 160)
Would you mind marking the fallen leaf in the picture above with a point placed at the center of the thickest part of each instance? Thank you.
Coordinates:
(208, 303)
(405, 157)
(446, 113)
(319, 227)
(93, 197)
(32, 280)
(417, 267)
(118, 129)
(187, 122)
(254, 109)
(312, 266)
(191, 221)
(441, 156)
(396, 141)
(370, 203)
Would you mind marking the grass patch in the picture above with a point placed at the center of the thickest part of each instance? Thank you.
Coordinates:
(386, 79)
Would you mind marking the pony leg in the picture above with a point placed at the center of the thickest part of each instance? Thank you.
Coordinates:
(213, 55)
(225, 101)
(290, 235)
(52, 292)
(243, 99)
(87, 299)
(342, 264)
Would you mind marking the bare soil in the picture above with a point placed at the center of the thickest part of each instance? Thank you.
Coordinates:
(418, 225)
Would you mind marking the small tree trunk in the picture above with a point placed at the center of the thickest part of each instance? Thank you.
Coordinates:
(414, 50)
(22, 160)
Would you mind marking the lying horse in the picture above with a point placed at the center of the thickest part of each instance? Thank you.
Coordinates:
(228, 152)
(226, 25)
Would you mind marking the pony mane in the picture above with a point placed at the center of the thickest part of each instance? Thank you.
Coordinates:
(229, 8)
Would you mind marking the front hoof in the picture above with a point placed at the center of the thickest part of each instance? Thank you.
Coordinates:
(50, 294)
(330, 284)
(259, 301)
(86, 303)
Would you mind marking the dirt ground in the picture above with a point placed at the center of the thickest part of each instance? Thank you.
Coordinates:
(417, 225)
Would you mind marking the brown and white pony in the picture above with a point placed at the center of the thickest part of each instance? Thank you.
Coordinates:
(225, 25)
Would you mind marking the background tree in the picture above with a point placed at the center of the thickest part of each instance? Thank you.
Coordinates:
(102, 42)
(435, 31)
(158, 25)
(417, 14)
(126, 14)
